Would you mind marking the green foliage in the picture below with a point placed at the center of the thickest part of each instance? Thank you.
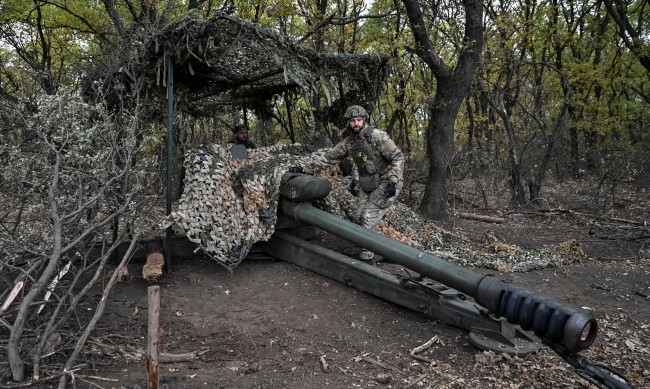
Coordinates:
(529, 47)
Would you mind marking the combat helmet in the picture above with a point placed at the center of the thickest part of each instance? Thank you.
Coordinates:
(355, 111)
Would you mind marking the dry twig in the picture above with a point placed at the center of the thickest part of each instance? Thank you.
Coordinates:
(323, 364)
(381, 364)
(423, 347)
(415, 381)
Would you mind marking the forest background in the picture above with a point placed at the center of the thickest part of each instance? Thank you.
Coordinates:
(509, 96)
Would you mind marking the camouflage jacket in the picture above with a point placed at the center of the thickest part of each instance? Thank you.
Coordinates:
(393, 159)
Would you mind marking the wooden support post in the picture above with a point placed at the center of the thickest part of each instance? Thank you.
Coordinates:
(153, 376)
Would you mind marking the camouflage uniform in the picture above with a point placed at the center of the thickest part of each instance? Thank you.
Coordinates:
(247, 143)
(370, 146)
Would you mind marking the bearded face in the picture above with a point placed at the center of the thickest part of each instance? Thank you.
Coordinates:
(356, 124)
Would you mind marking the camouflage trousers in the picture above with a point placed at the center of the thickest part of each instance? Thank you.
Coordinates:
(374, 205)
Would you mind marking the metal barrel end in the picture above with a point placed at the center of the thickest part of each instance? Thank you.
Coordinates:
(554, 322)
(580, 331)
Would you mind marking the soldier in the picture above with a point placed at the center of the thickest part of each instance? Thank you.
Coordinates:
(379, 162)
(240, 136)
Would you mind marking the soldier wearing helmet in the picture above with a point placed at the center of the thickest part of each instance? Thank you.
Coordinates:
(355, 111)
(379, 162)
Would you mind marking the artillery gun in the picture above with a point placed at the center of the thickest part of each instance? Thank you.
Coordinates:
(499, 315)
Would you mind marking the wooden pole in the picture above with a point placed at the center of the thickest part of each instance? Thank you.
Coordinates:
(170, 157)
(153, 374)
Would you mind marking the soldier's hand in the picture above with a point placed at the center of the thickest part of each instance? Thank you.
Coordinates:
(390, 190)
(346, 166)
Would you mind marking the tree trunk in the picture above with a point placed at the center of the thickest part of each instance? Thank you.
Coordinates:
(440, 145)
(292, 132)
(452, 85)
(575, 150)
(15, 335)
(516, 186)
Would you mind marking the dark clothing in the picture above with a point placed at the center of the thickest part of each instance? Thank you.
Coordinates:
(248, 144)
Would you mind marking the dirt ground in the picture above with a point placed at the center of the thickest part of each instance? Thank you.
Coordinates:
(271, 324)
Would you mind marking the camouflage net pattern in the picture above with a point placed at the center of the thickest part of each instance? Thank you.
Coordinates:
(228, 205)
(403, 224)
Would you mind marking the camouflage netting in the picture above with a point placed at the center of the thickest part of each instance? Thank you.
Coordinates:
(404, 224)
(228, 205)
(223, 61)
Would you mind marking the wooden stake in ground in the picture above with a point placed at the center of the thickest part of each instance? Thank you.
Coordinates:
(153, 376)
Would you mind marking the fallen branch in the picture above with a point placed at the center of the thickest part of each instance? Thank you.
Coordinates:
(611, 218)
(483, 218)
(426, 345)
(184, 357)
(4, 323)
(138, 354)
(626, 221)
(642, 294)
(423, 347)
(32, 383)
(97, 378)
(12, 296)
(562, 210)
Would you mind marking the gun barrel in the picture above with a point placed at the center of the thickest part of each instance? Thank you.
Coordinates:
(556, 323)
(448, 273)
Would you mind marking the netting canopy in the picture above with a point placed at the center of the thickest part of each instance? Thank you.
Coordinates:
(225, 60)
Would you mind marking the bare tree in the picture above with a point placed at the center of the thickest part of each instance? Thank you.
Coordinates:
(71, 171)
(452, 86)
